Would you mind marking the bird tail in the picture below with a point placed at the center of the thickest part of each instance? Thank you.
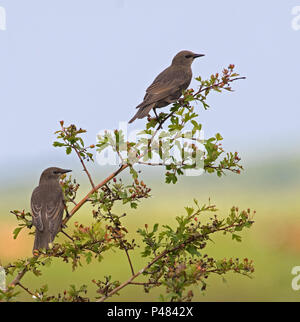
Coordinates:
(42, 239)
(142, 112)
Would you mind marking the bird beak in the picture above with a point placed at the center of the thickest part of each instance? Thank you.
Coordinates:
(64, 171)
(198, 55)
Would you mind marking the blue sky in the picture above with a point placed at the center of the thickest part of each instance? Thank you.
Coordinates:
(89, 63)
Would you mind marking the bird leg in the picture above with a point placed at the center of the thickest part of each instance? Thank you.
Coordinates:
(66, 209)
(154, 110)
(67, 213)
(67, 235)
(157, 118)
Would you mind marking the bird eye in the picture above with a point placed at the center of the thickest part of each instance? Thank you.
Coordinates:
(55, 172)
(188, 56)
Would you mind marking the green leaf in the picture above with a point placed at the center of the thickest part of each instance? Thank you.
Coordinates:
(219, 137)
(155, 227)
(88, 257)
(133, 173)
(236, 237)
(189, 210)
(192, 250)
(58, 144)
(16, 232)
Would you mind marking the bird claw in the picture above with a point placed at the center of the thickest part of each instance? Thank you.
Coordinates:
(149, 119)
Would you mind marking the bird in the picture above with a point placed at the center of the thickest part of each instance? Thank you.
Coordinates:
(47, 206)
(168, 85)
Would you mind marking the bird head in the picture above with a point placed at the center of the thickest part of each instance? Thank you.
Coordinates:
(52, 173)
(185, 58)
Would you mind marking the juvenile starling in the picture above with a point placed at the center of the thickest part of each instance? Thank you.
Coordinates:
(168, 85)
(47, 205)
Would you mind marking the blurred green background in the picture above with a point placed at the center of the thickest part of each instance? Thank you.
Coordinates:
(271, 188)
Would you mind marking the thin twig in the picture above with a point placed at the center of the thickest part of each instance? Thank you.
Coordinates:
(26, 289)
(84, 167)
(145, 283)
(120, 240)
(216, 85)
(152, 164)
(102, 299)
(100, 185)
(67, 235)
(129, 260)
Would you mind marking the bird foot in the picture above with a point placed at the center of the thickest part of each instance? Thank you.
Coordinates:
(149, 119)
(157, 119)
(159, 122)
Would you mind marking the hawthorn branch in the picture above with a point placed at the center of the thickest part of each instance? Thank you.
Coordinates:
(77, 149)
(102, 299)
(146, 283)
(129, 260)
(18, 278)
(217, 85)
(21, 274)
(152, 164)
(201, 89)
(103, 183)
(221, 169)
(158, 257)
(26, 289)
(158, 164)
(125, 166)
(84, 167)
(121, 241)
(100, 185)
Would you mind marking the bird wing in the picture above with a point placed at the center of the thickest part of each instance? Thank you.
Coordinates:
(54, 212)
(36, 208)
(47, 211)
(159, 92)
(165, 84)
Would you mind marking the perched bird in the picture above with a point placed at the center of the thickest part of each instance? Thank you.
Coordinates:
(47, 205)
(168, 85)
